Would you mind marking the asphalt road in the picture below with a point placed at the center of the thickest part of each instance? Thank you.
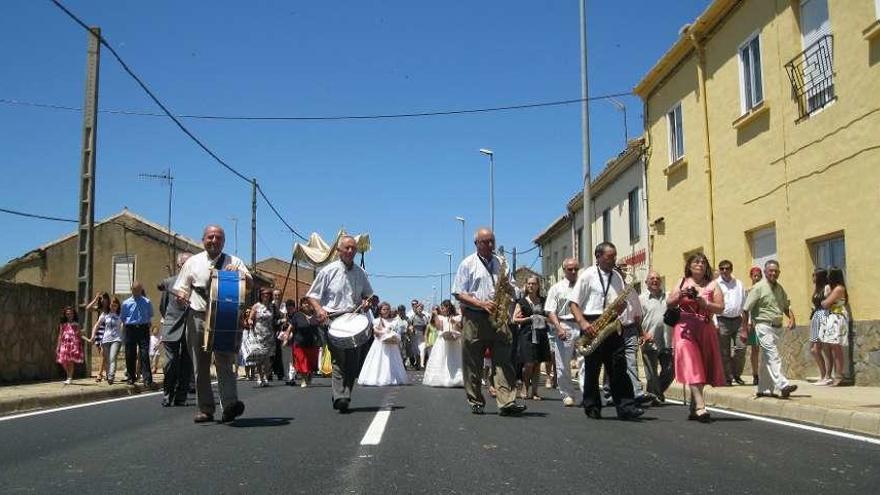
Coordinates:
(290, 440)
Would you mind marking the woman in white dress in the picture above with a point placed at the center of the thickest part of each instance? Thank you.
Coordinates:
(444, 365)
(383, 364)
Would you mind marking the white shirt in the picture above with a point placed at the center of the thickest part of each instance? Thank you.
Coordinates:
(734, 297)
(196, 273)
(557, 300)
(476, 279)
(588, 294)
(339, 289)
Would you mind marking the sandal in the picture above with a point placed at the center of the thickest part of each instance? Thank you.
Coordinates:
(536, 397)
(703, 418)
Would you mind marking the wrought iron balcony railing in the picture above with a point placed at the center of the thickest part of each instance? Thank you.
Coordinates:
(812, 76)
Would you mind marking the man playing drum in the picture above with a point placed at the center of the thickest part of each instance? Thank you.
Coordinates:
(341, 287)
(192, 286)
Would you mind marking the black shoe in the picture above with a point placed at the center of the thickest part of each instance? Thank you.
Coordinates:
(631, 414)
(766, 394)
(512, 410)
(646, 399)
(787, 390)
(661, 397)
(129, 382)
(704, 418)
(692, 416)
(341, 405)
(166, 402)
(477, 409)
(232, 412)
(738, 380)
(290, 383)
(593, 412)
(203, 417)
(180, 402)
(754, 379)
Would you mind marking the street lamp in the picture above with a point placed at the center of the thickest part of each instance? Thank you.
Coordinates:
(461, 219)
(449, 254)
(491, 156)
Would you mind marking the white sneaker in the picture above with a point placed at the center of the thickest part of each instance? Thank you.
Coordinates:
(568, 402)
(67, 382)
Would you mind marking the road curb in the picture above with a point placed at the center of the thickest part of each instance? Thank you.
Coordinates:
(68, 397)
(829, 417)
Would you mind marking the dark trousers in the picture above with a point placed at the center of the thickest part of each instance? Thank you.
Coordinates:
(278, 361)
(658, 381)
(346, 367)
(612, 355)
(178, 370)
(137, 346)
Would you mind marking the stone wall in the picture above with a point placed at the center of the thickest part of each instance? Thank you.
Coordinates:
(863, 353)
(29, 331)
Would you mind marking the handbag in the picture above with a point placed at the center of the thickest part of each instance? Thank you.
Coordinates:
(673, 314)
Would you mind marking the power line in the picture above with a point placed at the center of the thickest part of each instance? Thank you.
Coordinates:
(425, 275)
(34, 215)
(274, 210)
(438, 113)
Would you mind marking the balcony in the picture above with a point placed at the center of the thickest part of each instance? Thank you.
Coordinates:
(811, 74)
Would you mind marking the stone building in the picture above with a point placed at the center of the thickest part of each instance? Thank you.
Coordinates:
(298, 277)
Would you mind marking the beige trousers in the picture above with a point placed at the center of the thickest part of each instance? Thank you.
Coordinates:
(477, 335)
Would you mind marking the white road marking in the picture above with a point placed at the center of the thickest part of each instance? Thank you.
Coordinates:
(374, 433)
(782, 422)
(77, 406)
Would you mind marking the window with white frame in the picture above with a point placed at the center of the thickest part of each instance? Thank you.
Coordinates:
(676, 134)
(606, 225)
(578, 240)
(750, 74)
(877, 8)
(123, 273)
(633, 204)
(763, 245)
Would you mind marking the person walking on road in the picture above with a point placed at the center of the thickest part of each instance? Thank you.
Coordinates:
(192, 286)
(755, 275)
(766, 303)
(178, 362)
(533, 345)
(731, 324)
(474, 288)
(657, 345)
(695, 338)
(261, 343)
(444, 368)
(341, 287)
(306, 341)
(137, 313)
(566, 328)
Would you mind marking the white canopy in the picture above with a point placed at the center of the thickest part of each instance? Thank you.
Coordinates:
(319, 253)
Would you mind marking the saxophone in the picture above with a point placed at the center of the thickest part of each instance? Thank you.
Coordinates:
(607, 323)
(500, 317)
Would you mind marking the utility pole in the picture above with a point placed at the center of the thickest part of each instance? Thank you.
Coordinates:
(585, 119)
(166, 179)
(254, 224)
(86, 218)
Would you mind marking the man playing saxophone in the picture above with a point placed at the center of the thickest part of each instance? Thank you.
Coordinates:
(593, 294)
(477, 281)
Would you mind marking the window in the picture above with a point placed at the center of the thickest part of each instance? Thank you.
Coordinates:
(606, 225)
(634, 216)
(829, 252)
(750, 74)
(763, 246)
(676, 134)
(123, 274)
(817, 70)
(877, 8)
(578, 241)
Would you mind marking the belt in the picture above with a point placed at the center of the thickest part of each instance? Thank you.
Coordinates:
(729, 318)
(474, 310)
(137, 325)
(774, 325)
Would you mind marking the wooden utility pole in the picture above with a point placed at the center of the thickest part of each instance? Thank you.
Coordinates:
(86, 218)
(255, 295)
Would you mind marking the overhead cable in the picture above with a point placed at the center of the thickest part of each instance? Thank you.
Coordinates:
(138, 113)
(34, 215)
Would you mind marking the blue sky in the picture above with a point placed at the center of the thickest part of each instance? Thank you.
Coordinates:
(403, 181)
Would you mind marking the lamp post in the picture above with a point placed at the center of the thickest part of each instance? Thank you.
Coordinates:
(449, 255)
(491, 156)
(461, 219)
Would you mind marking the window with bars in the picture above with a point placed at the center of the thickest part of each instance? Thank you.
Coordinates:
(633, 204)
(751, 74)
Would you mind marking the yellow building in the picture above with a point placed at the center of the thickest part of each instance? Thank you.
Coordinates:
(763, 136)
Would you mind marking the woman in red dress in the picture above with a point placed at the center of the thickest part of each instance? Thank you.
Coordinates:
(695, 338)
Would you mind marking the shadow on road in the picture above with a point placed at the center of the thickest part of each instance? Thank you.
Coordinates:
(259, 422)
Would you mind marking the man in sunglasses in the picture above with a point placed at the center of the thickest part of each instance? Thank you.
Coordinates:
(729, 324)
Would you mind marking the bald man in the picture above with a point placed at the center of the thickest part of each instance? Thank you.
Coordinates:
(192, 287)
(474, 288)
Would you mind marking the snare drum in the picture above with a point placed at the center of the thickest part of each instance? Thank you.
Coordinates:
(349, 330)
(226, 303)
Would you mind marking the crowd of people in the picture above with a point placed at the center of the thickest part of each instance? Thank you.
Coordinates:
(507, 341)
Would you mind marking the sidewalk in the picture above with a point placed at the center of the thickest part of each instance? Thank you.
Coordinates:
(46, 395)
(853, 409)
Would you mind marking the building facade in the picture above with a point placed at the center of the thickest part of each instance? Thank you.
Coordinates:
(293, 280)
(619, 216)
(763, 142)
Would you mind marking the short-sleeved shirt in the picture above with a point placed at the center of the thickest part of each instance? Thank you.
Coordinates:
(194, 279)
(734, 297)
(595, 289)
(137, 311)
(767, 303)
(557, 300)
(340, 289)
(653, 308)
(419, 321)
(477, 278)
